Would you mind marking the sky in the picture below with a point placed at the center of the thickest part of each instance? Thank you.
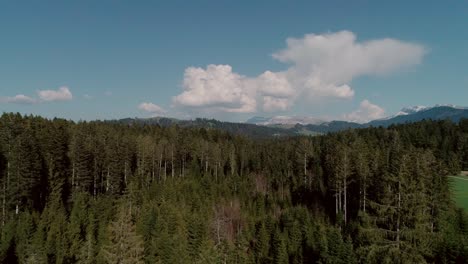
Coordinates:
(231, 60)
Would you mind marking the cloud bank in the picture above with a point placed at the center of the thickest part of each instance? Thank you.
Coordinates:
(366, 112)
(320, 66)
(18, 99)
(151, 108)
(61, 94)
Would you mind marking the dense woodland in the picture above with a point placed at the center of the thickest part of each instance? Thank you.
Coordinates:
(97, 192)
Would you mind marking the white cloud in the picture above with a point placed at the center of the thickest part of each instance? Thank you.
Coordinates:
(62, 94)
(273, 104)
(218, 88)
(365, 113)
(337, 57)
(315, 87)
(320, 66)
(324, 65)
(18, 99)
(151, 108)
(275, 84)
(276, 91)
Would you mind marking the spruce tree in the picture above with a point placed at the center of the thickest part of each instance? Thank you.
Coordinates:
(125, 246)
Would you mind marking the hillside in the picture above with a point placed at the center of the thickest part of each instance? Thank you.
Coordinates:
(434, 113)
(260, 127)
(250, 130)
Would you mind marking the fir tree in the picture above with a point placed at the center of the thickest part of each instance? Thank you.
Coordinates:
(125, 246)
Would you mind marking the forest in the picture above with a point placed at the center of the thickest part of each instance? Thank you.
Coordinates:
(104, 192)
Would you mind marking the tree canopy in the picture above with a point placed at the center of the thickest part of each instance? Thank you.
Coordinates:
(99, 192)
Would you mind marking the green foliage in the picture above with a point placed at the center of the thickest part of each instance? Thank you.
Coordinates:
(124, 244)
(100, 192)
(280, 253)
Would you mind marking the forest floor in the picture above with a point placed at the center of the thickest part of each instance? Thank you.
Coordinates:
(460, 190)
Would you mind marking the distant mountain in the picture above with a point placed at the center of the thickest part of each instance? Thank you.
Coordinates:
(405, 115)
(262, 127)
(250, 130)
(333, 126)
(406, 111)
(438, 112)
(419, 108)
(258, 120)
(412, 109)
(284, 120)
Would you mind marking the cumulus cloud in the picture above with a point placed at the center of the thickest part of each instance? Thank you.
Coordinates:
(275, 84)
(62, 94)
(18, 99)
(338, 57)
(217, 87)
(366, 112)
(151, 108)
(273, 104)
(320, 66)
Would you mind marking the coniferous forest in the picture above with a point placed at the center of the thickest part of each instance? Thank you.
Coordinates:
(99, 192)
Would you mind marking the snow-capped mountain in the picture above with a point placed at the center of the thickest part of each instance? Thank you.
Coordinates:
(405, 115)
(409, 110)
(284, 120)
(418, 113)
(259, 127)
(406, 111)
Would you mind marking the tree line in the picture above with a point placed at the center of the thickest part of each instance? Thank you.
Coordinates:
(99, 192)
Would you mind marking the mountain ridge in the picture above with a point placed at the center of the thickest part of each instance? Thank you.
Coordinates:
(307, 120)
(412, 114)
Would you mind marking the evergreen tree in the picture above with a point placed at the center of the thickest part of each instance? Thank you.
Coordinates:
(81, 156)
(25, 190)
(280, 251)
(197, 195)
(88, 251)
(125, 245)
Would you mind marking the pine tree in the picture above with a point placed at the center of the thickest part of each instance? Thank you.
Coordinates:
(125, 246)
(88, 251)
(25, 164)
(51, 232)
(11, 126)
(78, 222)
(295, 243)
(81, 156)
(262, 244)
(53, 139)
(280, 251)
(24, 237)
(335, 246)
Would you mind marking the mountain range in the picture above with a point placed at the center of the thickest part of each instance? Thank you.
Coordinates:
(261, 127)
(405, 115)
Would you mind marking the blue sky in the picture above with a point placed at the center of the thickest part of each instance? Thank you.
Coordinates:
(115, 59)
